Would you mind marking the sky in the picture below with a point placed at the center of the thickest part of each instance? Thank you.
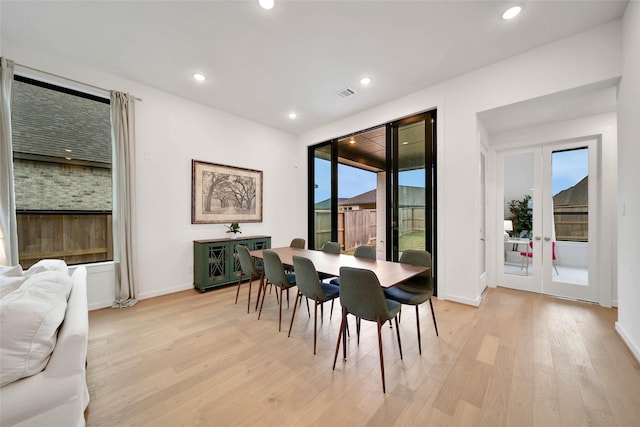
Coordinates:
(568, 168)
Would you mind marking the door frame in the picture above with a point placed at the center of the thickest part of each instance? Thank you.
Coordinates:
(542, 279)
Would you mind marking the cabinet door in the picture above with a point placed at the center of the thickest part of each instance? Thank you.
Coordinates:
(260, 244)
(217, 269)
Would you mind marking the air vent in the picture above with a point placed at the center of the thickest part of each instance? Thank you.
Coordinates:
(346, 92)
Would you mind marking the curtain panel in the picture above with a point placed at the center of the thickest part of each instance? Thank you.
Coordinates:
(122, 123)
(8, 225)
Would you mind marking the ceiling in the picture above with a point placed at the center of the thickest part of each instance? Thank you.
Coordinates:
(262, 64)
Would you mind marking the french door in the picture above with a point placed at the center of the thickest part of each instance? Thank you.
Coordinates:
(549, 216)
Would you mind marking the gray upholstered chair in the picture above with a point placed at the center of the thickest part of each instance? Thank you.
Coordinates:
(362, 251)
(275, 274)
(331, 247)
(247, 267)
(310, 286)
(416, 290)
(362, 296)
(297, 243)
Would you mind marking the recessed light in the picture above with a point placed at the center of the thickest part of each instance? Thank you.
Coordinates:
(266, 4)
(405, 142)
(512, 12)
(199, 77)
(292, 115)
(68, 150)
(365, 81)
(68, 158)
(352, 141)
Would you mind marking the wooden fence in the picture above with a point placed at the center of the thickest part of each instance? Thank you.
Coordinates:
(75, 238)
(359, 227)
(572, 223)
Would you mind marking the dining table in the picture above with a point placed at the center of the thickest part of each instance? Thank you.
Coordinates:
(389, 273)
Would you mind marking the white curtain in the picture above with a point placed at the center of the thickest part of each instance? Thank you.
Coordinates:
(8, 226)
(122, 123)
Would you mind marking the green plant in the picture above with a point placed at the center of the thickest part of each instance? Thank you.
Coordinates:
(233, 228)
(521, 216)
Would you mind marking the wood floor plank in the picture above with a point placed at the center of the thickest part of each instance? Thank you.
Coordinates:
(200, 360)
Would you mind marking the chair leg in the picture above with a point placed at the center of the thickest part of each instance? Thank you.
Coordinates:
(342, 328)
(238, 291)
(331, 312)
(280, 311)
(398, 335)
(384, 390)
(315, 323)
(295, 305)
(264, 292)
(433, 314)
(260, 287)
(358, 329)
(249, 296)
(418, 328)
(308, 311)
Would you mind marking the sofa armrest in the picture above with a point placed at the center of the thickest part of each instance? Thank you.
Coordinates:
(70, 353)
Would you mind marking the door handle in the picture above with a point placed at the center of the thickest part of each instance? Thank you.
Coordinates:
(537, 237)
(546, 239)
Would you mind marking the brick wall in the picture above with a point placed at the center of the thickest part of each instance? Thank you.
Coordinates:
(55, 186)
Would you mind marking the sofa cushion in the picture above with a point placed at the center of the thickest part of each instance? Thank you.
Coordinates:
(29, 318)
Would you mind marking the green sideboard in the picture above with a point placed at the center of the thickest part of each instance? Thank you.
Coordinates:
(215, 262)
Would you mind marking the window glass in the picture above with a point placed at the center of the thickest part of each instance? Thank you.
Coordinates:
(62, 169)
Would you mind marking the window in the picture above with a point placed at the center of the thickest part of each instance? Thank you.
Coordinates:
(62, 168)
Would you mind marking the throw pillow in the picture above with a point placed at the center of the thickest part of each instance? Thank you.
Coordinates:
(30, 317)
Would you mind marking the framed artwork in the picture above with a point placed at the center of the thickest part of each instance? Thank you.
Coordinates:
(221, 194)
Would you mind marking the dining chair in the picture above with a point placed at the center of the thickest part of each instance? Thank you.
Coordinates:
(362, 251)
(247, 267)
(329, 248)
(298, 243)
(275, 274)
(417, 289)
(310, 286)
(362, 296)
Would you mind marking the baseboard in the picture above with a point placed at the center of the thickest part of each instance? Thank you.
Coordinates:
(635, 350)
(462, 300)
(164, 291)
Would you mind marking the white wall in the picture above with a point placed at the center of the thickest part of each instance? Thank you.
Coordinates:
(628, 324)
(170, 132)
(588, 57)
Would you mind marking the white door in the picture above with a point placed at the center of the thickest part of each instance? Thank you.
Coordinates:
(549, 194)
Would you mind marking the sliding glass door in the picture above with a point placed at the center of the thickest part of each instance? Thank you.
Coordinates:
(376, 187)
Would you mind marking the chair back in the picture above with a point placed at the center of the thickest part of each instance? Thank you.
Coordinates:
(361, 294)
(273, 268)
(297, 243)
(423, 281)
(246, 261)
(331, 248)
(307, 278)
(365, 251)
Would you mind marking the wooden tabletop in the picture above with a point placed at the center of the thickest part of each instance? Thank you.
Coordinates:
(389, 273)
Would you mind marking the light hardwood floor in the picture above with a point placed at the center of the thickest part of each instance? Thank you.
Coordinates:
(519, 359)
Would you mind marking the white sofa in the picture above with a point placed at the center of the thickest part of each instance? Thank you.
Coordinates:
(58, 395)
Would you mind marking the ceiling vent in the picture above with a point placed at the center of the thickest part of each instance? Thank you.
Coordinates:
(346, 92)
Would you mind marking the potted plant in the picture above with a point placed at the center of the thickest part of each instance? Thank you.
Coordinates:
(234, 229)
(522, 216)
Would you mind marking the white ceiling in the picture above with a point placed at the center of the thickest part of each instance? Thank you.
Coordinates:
(263, 64)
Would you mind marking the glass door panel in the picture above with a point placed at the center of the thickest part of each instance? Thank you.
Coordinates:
(521, 267)
(569, 219)
(322, 196)
(412, 213)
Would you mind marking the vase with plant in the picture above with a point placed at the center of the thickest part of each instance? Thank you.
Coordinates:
(522, 216)
(234, 229)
